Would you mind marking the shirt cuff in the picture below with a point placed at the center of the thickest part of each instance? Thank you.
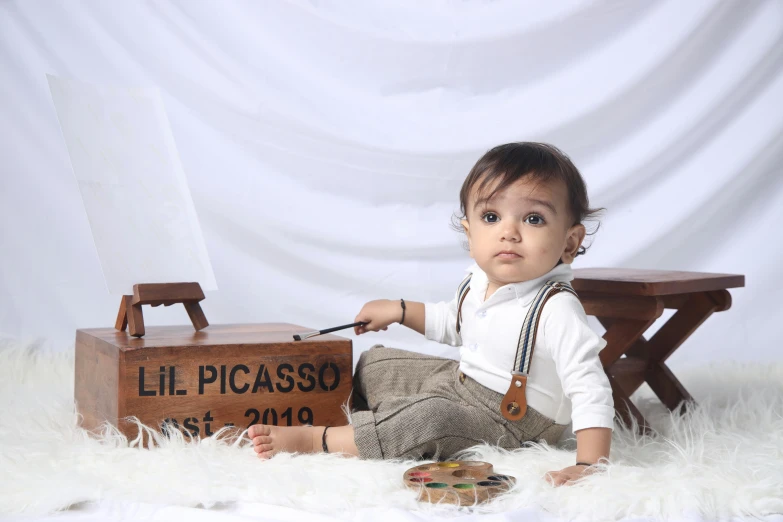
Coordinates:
(593, 417)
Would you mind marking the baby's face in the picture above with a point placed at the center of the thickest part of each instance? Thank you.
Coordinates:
(530, 219)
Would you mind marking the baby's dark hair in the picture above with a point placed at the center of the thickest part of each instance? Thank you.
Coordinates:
(541, 162)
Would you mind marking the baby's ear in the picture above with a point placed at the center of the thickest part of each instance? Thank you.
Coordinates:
(466, 227)
(576, 234)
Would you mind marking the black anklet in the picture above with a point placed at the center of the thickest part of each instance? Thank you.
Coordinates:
(323, 440)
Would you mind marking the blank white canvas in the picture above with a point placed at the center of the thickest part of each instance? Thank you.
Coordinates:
(132, 185)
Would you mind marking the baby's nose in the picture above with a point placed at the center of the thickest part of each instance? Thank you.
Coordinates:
(511, 235)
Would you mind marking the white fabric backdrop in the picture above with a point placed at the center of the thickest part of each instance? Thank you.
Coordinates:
(325, 144)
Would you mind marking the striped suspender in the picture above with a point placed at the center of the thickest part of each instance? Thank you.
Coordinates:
(527, 336)
(462, 291)
(514, 404)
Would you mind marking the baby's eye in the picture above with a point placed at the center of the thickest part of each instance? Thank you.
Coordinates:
(490, 217)
(534, 219)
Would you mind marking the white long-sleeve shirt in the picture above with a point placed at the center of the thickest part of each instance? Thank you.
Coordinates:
(566, 381)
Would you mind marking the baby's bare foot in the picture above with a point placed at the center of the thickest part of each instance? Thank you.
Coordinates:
(270, 440)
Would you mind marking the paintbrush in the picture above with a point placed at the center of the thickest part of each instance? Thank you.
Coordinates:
(307, 335)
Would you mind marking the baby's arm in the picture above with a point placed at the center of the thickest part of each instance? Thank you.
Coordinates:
(592, 444)
(379, 314)
(574, 347)
(436, 321)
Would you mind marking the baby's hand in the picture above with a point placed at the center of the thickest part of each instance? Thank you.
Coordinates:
(568, 475)
(378, 315)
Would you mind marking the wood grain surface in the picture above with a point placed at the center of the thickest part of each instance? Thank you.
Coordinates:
(202, 381)
(630, 281)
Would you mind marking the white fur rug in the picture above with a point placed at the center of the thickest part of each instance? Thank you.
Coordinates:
(720, 460)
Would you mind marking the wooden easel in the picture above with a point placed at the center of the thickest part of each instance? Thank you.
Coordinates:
(156, 294)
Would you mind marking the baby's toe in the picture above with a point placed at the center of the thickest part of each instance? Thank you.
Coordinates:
(257, 430)
(263, 439)
(263, 448)
(265, 455)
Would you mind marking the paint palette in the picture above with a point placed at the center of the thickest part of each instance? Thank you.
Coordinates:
(461, 482)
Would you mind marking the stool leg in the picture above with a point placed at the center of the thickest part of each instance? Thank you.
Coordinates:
(121, 323)
(666, 386)
(677, 329)
(627, 410)
(135, 320)
(666, 340)
(620, 335)
(196, 315)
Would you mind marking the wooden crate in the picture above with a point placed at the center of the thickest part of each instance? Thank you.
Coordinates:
(235, 375)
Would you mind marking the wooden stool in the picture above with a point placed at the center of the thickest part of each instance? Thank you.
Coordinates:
(627, 302)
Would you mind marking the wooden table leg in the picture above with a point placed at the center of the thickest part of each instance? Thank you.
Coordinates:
(130, 316)
(620, 336)
(666, 386)
(691, 313)
(196, 315)
(626, 319)
(135, 320)
(121, 323)
(627, 411)
(631, 371)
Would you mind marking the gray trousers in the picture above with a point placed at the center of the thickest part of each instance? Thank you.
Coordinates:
(414, 406)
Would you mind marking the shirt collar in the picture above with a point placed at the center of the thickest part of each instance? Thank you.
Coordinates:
(525, 291)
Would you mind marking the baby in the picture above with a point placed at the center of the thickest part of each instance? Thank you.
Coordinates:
(528, 362)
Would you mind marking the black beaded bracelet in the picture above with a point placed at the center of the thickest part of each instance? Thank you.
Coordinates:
(323, 440)
(584, 464)
(402, 304)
